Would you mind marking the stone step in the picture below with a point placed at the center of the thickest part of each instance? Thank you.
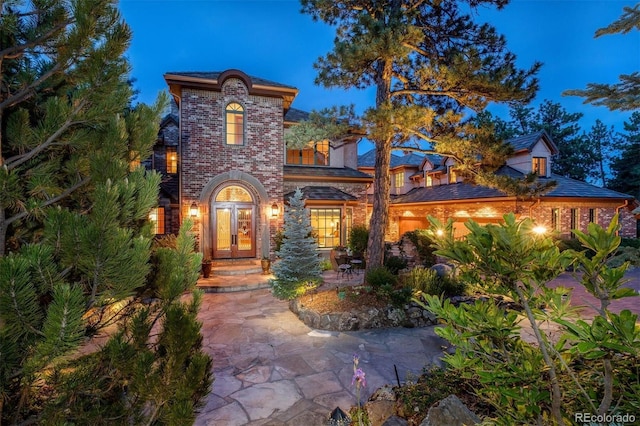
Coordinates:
(227, 284)
(236, 270)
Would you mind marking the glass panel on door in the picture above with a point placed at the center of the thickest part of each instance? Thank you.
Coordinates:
(244, 226)
(223, 229)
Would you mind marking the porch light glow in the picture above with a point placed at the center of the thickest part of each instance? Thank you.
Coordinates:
(539, 230)
(275, 210)
(153, 216)
(193, 210)
(439, 232)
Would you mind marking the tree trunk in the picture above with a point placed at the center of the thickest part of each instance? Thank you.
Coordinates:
(380, 212)
(382, 180)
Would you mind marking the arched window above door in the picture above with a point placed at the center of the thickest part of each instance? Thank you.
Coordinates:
(234, 194)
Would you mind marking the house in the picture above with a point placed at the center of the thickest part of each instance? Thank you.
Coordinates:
(432, 188)
(224, 163)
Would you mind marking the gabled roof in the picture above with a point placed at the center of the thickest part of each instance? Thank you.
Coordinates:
(527, 142)
(337, 173)
(214, 80)
(565, 187)
(322, 193)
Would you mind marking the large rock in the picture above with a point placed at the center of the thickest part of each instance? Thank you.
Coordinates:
(450, 412)
(442, 269)
(379, 411)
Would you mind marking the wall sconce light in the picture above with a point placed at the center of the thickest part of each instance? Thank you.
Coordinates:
(275, 210)
(193, 210)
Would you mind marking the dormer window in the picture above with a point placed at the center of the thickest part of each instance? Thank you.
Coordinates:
(452, 174)
(398, 180)
(234, 121)
(539, 166)
(316, 154)
(428, 180)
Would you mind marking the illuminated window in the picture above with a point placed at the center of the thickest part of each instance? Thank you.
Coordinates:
(234, 124)
(326, 227)
(399, 180)
(428, 180)
(316, 155)
(539, 165)
(156, 216)
(134, 160)
(593, 216)
(172, 159)
(348, 222)
(555, 219)
(452, 174)
(234, 194)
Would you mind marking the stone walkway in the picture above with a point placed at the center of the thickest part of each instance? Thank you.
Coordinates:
(271, 369)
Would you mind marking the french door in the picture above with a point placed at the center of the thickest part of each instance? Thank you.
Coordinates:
(234, 231)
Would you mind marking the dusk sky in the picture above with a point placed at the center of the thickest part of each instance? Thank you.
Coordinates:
(273, 40)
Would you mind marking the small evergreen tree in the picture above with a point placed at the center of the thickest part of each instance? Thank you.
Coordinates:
(300, 263)
(626, 167)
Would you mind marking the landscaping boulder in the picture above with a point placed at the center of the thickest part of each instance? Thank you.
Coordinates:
(450, 412)
(379, 411)
(442, 269)
(395, 421)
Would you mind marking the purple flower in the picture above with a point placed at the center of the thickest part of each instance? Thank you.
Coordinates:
(358, 379)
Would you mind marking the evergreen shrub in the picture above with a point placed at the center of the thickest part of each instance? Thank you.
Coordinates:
(428, 281)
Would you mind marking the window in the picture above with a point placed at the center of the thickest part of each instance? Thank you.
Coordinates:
(593, 216)
(399, 180)
(575, 220)
(452, 174)
(172, 159)
(156, 216)
(234, 124)
(539, 165)
(315, 155)
(326, 227)
(134, 160)
(555, 219)
(348, 223)
(428, 180)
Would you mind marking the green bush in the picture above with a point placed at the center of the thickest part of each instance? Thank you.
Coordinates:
(380, 277)
(630, 242)
(625, 254)
(395, 264)
(429, 282)
(423, 244)
(358, 239)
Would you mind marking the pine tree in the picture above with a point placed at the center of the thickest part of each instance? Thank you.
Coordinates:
(431, 65)
(75, 208)
(602, 139)
(625, 95)
(299, 264)
(626, 167)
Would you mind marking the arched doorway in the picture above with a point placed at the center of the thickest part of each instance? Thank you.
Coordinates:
(233, 221)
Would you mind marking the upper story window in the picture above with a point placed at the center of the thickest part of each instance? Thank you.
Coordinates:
(453, 178)
(428, 180)
(313, 155)
(539, 165)
(172, 159)
(234, 121)
(399, 180)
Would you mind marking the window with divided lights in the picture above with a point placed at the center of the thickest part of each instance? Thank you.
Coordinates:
(428, 180)
(539, 166)
(593, 216)
(172, 159)
(398, 180)
(234, 122)
(316, 154)
(451, 171)
(156, 216)
(326, 226)
(575, 221)
(555, 219)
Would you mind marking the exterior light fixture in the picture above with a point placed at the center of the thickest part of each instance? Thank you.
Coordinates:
(539, 230)
(193, 210)
(153, 215)
(275, 210)
(439, 232)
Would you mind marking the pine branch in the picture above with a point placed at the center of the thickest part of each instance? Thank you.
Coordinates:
(14, 52)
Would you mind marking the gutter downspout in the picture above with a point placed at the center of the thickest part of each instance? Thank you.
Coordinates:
(536, 203)
(180, 156)
(626, 203)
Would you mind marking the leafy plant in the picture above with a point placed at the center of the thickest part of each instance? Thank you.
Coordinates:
(421, 240)
(358, 239)
(428, 281)
(395, 264)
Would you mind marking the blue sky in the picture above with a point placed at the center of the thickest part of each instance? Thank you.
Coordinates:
(273, 40)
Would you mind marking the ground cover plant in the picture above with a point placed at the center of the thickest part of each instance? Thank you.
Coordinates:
(591, 366)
